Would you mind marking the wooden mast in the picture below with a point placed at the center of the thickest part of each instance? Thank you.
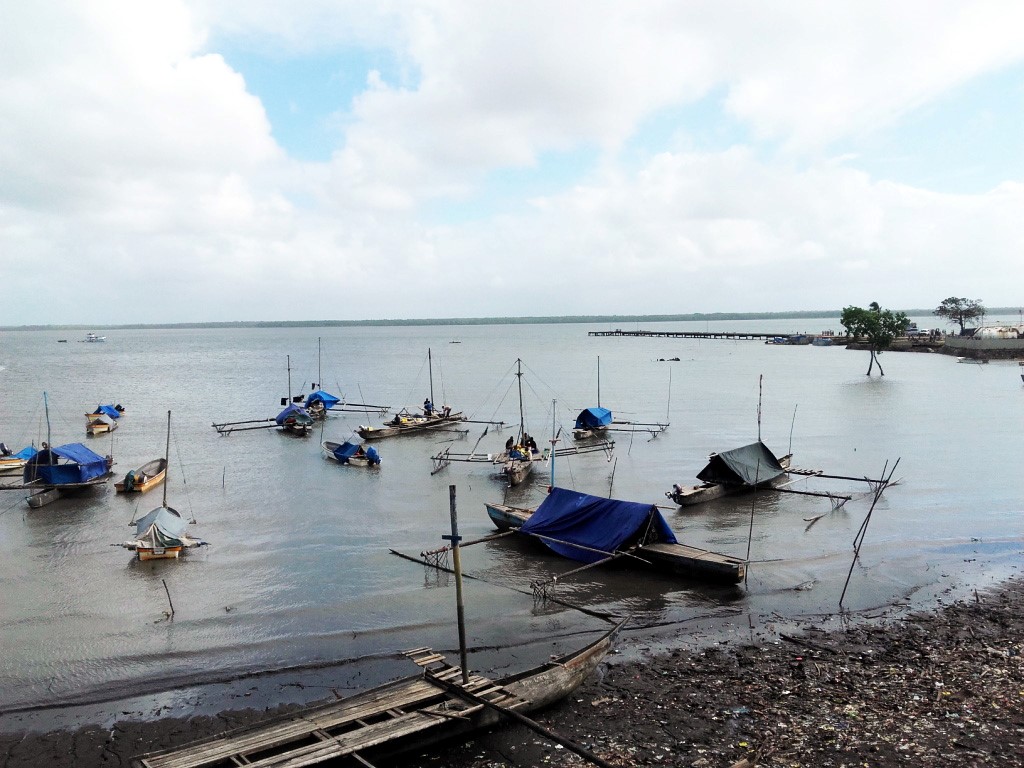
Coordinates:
(167, 458)
(519, 376)
(430, 371)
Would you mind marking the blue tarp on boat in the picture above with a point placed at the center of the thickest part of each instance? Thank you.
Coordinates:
(346, 451)
(108, 410)
(295, 412)
(24, 453)
(320, 396)
(64, 465)
(592, 418)
(599, 524)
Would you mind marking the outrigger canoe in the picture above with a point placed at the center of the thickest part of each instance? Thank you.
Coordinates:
(590, 529)
(390, 720)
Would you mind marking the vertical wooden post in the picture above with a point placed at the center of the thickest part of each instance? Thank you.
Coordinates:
(457, 562)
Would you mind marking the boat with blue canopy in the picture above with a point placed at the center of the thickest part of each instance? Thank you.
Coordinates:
(351, 453)
(596, 530)
(54, 471)
(15, 462)
(295, 419)
(103, 419)
(319, 402)
(592, 420)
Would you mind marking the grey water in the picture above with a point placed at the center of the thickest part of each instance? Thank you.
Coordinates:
(299, 572)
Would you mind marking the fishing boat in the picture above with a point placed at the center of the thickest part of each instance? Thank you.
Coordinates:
(104, 419)
(140, 480)
(92, 337)
(53, 472)
(748, 468)
(351, 453)
(319, 402)
(598, 421)
(591, 422)
(408, 422)
(162, 534)
(595, 530)
(15, 462)
(517, 460)
(295, 419)
(439, 704)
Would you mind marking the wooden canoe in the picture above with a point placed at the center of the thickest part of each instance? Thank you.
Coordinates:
(408, 424)
(392, 719)
(691, 495)
(149, 475)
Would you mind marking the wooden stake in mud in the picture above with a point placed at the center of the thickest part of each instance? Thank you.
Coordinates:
(457, 562)
(164, 582)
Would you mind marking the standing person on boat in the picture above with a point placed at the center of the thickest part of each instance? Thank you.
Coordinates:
(428, 407)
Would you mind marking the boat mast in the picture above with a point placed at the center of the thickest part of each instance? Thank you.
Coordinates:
(49, 441)
(519, 375)
(289, 359)
(430, 371)
(554, 439)
(167, 457)
(319, 380)
(598, 381)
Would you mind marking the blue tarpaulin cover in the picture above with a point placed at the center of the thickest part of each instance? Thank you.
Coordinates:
(593, 417)
(25, 453)
(752, 464)
(346, 451)
(108, 410)
(594, 522)
(320, 396)
(79, 465)
(297, 411)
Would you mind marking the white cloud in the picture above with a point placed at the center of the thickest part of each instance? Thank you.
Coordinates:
(128, 144)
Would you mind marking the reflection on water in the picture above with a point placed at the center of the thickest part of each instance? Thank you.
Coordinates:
(299, 574)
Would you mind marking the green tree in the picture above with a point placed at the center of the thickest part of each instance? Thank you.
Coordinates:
(876, 326)
(962, 311)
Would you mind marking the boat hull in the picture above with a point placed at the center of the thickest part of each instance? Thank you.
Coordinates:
(506, 518)
(409, 714)
(148, 476)
(158, 553)
(692, 495)
(412, 425)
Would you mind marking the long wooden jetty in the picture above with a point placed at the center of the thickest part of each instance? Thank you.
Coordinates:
(729, 335)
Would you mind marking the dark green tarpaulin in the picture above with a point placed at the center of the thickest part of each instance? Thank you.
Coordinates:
(750, 465)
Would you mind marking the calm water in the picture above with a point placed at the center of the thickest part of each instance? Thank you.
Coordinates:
(298, 573)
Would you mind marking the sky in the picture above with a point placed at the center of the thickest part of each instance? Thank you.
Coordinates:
(220, 160)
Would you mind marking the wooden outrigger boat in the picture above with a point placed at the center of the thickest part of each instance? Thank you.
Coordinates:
(407, 422)
(140, 480)
(595, 530)
(161, 534)
(436, 705)
(351, 453)
(749, 468)
(598, 421)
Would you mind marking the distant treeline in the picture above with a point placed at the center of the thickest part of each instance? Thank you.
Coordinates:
(622, 319)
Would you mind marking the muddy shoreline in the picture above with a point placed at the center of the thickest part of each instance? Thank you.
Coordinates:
(945, 685)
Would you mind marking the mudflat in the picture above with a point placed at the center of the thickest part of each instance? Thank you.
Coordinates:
(939, 687)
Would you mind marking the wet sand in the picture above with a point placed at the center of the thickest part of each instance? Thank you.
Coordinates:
(944, 686)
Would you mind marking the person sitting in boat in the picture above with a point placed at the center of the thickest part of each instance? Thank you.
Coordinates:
(532, 445)
(509, 443)
(428, 407)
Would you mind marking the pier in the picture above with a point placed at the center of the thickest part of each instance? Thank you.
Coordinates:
(729, 335)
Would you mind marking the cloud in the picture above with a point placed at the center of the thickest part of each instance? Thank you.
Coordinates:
(130, 147)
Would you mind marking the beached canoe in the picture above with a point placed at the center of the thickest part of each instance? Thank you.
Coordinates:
(384, 722)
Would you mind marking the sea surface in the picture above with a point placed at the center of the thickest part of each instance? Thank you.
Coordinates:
(300, 575)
